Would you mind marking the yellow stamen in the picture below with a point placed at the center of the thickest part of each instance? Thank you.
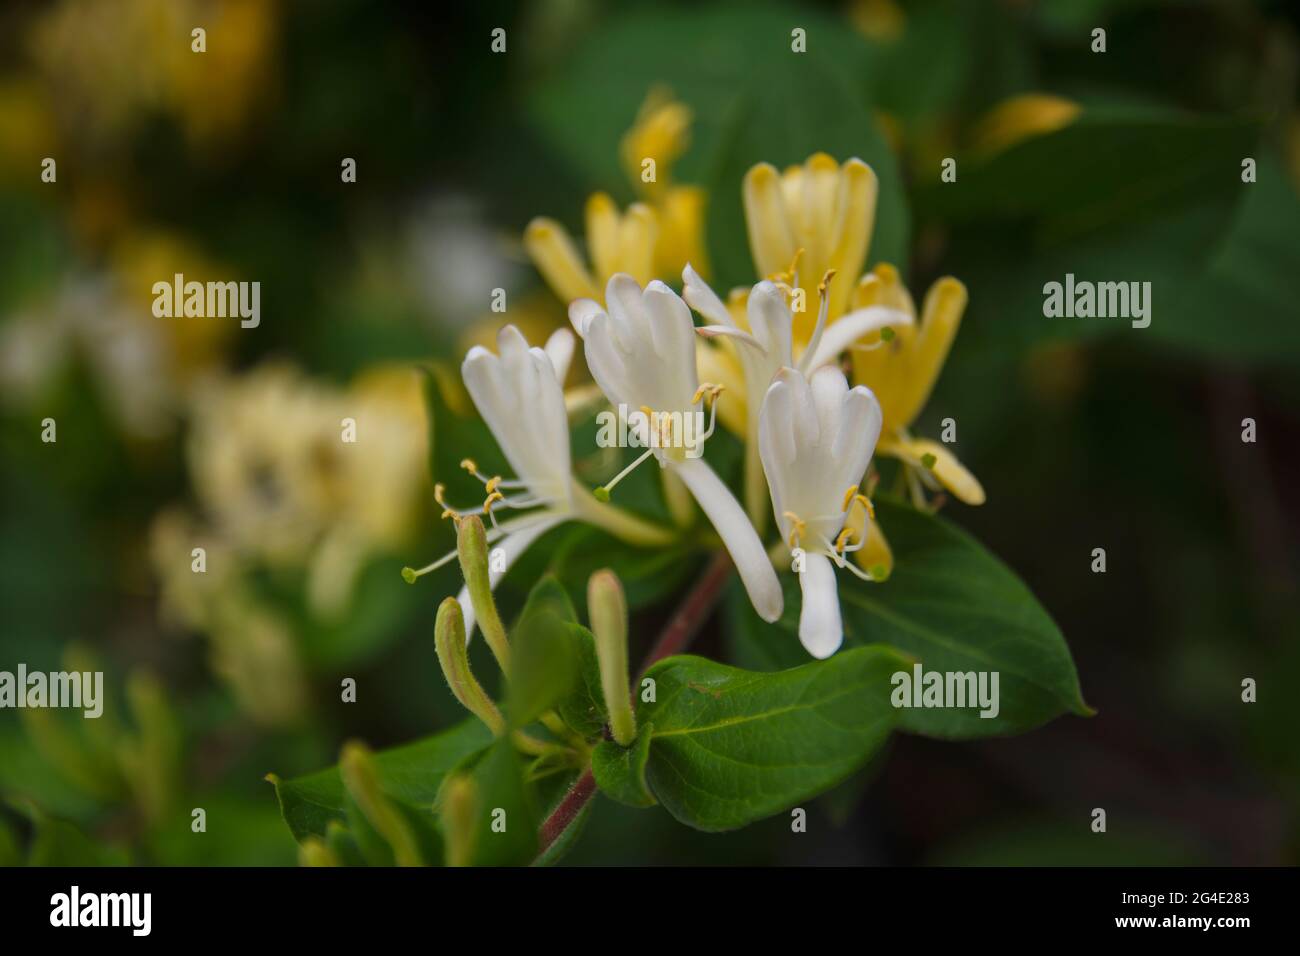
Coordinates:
(493, 497)
(842, 540)
(709, 389)
(798, 531)
(851, 494)
(493, 483)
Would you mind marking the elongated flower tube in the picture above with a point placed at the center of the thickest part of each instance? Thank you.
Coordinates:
(518, 393)
(816, 437)
(768, 345)
(642, 355)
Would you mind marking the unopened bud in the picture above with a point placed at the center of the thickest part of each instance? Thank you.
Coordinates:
(608, 609)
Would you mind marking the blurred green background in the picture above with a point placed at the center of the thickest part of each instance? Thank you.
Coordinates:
(1085, 432)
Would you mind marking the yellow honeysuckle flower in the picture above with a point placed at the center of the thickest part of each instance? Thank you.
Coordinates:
(1019, 118)
(659, 234)
(807, 221)
(618, 242)
(662, 133)
(901, 368)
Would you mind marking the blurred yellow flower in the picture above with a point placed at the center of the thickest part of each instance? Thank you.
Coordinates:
(101, 94)
(1019, 118)
(288, 472)
(656, 236)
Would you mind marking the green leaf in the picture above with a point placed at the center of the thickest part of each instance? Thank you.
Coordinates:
(729, 747)
(580, 703)
(584, 708)
(506, 816)
(374, 849)
(1113, 166)
(544, 654)
(410, 774)
(547, 596)
(620, 771)
(954, 607)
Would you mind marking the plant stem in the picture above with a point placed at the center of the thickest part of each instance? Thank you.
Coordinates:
(694, 610)
(674, 638)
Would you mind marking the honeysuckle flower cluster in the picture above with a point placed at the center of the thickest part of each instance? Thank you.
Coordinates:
(822, 213)
(809, 437)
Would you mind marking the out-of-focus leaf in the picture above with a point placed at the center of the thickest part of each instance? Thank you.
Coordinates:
(729, 747)
(954, 607)
(1126, 843)
(410, 774)
(505, 817)
(754, 100)
(1110, 167)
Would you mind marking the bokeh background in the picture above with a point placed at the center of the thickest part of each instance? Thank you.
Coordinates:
(1123, 165)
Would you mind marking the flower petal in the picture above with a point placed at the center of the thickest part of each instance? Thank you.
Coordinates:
(738, 535)
(559, 349)
(949, 472)
(771, 239)
(839, 335)
(701, 297)
(557, 259)
(821, 629)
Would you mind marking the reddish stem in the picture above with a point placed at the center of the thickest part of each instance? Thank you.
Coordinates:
(568, 810)
(693, 612)
(674, 638)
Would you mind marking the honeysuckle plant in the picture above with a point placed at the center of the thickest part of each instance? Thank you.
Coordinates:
(823, 616)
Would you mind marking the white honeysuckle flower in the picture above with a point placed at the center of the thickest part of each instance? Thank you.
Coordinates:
(519, 394)
(768, 346)
(769, 341)
(816, 437)
(642, 355)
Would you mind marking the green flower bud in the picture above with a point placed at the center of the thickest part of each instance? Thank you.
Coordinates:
(458, 805)
(608, 609)
(361, 777)
(471, 544)
(449, 640)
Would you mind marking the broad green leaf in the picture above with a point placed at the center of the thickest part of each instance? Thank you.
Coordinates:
(410, 774)
(729, 747)
(1113, 166)
(954, 607)
(620, 771)
(1242, 304)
